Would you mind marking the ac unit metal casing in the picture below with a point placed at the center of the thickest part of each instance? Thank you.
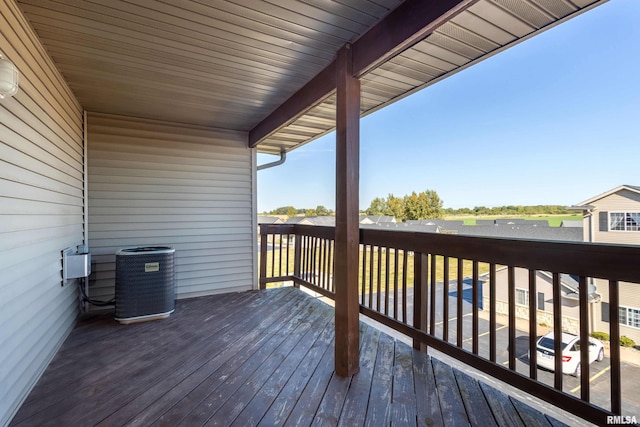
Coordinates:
(145, 283)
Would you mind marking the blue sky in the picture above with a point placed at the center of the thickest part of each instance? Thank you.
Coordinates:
(553, 120)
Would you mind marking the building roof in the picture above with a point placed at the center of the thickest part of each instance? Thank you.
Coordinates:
(523, 232)
(299, 220)
(444, 223)
(375, 219)
(588, 202)
(268, 68)
(266, 219)
(572, 223)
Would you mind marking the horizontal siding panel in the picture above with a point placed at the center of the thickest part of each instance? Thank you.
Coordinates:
(212, 194)
(221, 187)
(96, 228)
(12, 172)
(24, 238)
(29, 364)
(153, 211)
(143, 161)
(41, 210)
(18, 192)
(12, 206)
(621, 201)
(159, 184)
(20, 143)
(104, 219)
(157, 174)
(12, 223)
(195, 233)
(30, 273)
(219, 244)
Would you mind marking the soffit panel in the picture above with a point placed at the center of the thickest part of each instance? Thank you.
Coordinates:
(482, 30)
(218, 64)
(230, 64)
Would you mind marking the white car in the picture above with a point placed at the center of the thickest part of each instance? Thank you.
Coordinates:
(570, 353)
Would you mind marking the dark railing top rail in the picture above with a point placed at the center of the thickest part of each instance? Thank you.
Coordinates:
(598, 260)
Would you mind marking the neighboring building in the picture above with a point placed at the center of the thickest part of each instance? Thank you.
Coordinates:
(268, 220)
(376, 219)
(544, 300)
(614, 217)
(302, 220)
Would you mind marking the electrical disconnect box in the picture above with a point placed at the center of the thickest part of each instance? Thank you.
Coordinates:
(76, 264)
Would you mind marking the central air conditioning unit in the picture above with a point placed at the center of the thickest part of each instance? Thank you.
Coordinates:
(145, 284)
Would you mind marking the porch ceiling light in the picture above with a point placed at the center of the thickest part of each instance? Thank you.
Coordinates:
(8, 78)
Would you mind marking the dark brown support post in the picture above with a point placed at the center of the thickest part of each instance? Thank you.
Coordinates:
(263, 258)
(297, 257)
(347, 353)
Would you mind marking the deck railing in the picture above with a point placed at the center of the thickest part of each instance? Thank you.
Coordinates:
(402, 285)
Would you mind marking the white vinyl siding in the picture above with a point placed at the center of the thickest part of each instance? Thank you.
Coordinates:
(622, 201)
(41, 211)
(159, 184)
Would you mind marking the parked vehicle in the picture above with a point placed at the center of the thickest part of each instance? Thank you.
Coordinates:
(570, 352)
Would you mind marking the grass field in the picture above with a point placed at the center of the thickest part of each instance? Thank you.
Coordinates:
(278, 268)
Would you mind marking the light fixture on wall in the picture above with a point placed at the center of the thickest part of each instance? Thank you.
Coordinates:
(8, 78)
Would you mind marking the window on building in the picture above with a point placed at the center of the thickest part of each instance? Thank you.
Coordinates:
(624, 221)
(522, 296)
(630, 317)
(541, 301)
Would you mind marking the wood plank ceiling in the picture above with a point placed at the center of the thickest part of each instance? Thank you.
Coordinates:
(229, 64)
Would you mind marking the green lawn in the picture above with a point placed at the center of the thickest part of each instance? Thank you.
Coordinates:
(278, 268)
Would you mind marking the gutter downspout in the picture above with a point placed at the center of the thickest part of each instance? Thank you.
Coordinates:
(283, 158)
(589, 213)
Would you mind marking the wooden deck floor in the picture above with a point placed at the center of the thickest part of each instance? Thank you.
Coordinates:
(255, 358)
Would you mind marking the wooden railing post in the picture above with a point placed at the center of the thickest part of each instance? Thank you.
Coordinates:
(263, 257)
(297, 257)
(420, 291)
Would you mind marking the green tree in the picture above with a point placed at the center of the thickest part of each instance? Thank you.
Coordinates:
(310, 212)
(378, 206)
(395, 207)
(291, 211)
(425, 205)
(322, 211)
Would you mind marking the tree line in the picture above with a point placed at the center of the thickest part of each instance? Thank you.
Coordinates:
(291, 211)
(425, 205)
(414, 206)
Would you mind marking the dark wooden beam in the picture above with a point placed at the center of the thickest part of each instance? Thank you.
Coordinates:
(406, 25)
(317, 89)
(347, 209)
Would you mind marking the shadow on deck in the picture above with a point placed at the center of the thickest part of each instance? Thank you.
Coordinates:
(254, 358)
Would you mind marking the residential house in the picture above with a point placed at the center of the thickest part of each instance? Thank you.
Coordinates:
(614, 217)
(266, 219)
(376, 219)
(138, 123)
(543, 297)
